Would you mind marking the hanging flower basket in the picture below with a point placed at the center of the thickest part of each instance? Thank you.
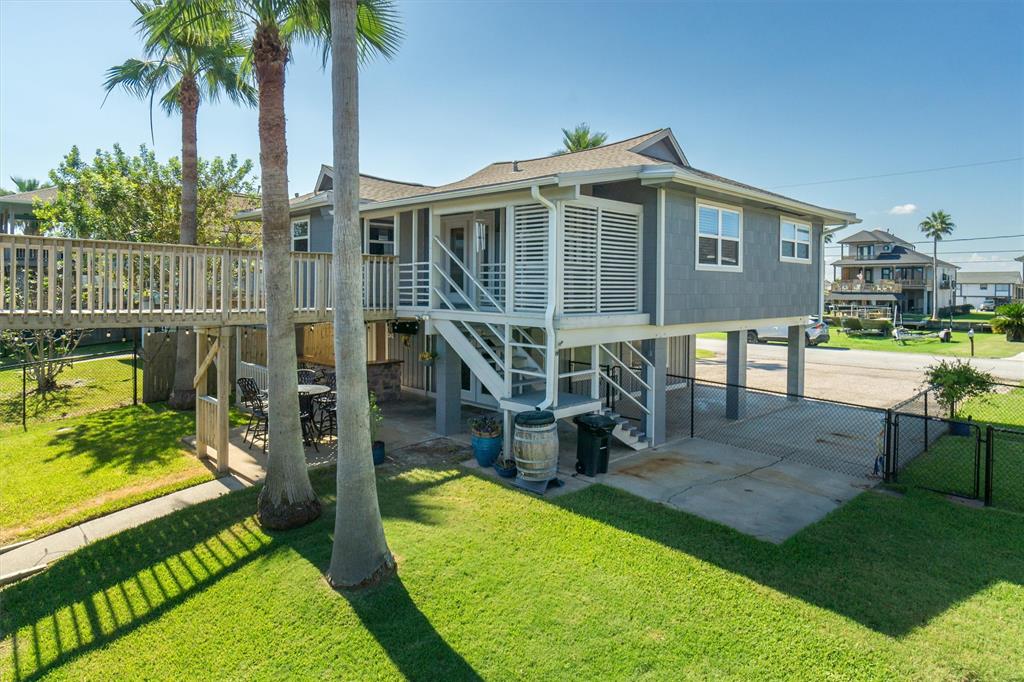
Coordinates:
(427, 358)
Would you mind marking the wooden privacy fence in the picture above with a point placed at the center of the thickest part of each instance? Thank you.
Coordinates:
(48, 282)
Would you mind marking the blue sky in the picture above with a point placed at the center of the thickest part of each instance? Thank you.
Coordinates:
(773, 94)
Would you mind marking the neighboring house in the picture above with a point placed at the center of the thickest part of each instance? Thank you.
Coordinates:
(877, 268)
(17, 215)
(540, 283)
(1002, 287)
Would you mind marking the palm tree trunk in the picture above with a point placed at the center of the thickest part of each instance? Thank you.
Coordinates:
(935, 278)
(287, 499)
(183, 396)
(360, 554)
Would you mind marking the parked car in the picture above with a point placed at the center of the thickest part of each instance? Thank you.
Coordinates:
(815, 333)
(988, 305)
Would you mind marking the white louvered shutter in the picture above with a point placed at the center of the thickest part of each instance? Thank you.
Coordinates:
(530, 240)
(581, 259)
(619, 272)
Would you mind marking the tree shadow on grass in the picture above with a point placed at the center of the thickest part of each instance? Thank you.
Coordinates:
(110, 588)
(890, 564)
(126, 438)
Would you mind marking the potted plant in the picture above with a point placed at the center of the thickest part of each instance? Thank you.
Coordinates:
(376, 419)
(486, 432)
(955, 382)
(427, 358)
(1009, 320)
(505, 465)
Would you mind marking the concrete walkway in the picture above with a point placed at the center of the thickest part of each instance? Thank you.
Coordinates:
(35, 555)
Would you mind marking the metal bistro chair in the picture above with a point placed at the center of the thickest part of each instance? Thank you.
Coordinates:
(306, 413)
(258, 413)
(327, 407)
(307, 376)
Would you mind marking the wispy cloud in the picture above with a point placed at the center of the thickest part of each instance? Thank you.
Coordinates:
(903, 209)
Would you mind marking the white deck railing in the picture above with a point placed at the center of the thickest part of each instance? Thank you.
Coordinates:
(53, 282)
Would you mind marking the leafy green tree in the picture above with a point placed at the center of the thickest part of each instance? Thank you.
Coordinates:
(579, 139)
(28, 184)
(183, 71)
(269, 28)
(936, 226)
(136, 198)
(957, 381)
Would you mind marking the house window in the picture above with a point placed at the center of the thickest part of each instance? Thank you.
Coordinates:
(300, 234)
(983, 287)
(794, 241)
(866, 252)
(380, 238)
(886, 273)
(719, 238)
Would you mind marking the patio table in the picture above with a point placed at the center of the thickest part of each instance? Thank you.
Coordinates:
(313, 389)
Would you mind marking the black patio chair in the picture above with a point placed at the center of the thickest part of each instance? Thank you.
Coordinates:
(252, 398)
(307, 376)
(327, 407)
(310, 433)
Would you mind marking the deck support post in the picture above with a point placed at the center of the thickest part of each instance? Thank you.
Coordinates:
(223, 398)
(795, 361)
(690, 358)
(656, 352)
(448, 386)
(202, 348)
(736, 374)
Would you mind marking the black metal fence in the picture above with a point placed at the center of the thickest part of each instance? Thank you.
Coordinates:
(36, 392)
(978, 454)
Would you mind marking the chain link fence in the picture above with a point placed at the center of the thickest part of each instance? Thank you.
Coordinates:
(47, 390)
(826, 434)
(978, 454)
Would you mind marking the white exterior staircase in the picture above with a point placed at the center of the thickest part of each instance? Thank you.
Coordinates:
(626, 432)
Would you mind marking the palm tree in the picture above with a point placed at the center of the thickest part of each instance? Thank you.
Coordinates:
(580, 138)
(268, 28)
(183, 72)
(28, 184)
(360, 554)
(937, 225)
(1009, 319)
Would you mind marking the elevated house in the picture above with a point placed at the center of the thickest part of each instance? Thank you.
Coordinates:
(17, 211)
(1000, 287)
(550, 282)
(877, 268)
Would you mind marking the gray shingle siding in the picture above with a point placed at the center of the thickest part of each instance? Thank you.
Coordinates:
(767, 287)
(321, 224)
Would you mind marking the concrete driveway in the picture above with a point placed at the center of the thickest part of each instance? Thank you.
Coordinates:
(864, 377)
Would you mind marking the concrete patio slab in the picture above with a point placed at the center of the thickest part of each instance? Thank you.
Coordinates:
(768, 497)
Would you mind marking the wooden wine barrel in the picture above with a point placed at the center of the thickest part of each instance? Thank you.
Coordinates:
(535, 445)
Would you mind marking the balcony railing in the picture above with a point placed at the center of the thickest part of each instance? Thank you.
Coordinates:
(856, 286)
(52, 282)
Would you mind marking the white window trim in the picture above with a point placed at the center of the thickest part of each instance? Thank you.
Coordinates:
(309, 230)
(696, 238)
(796, 243)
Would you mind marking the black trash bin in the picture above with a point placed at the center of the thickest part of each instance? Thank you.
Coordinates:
(592, 443)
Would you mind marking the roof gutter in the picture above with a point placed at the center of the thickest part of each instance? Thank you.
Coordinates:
(551, 351)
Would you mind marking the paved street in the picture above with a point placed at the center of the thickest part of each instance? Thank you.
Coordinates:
(873, 378)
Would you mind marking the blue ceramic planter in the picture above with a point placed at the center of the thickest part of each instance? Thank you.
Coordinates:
(378, 452)
(486, 450)
(505, 472)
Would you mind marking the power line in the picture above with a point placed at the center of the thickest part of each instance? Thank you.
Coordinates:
(910, 172)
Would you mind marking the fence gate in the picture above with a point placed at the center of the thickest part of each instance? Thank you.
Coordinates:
(938, 454)
(1004, 468)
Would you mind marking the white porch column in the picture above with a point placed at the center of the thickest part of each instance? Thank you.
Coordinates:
(223, 397)
(202, 347)
(736, 374)
(448, 385)
(795, 360)
(690, 350)
(656, 352)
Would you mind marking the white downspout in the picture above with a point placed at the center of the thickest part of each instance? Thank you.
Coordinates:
(551, 352)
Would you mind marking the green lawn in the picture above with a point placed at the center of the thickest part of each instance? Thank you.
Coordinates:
(497, 584)
(66, 471)
(985, 345)
(85, 386)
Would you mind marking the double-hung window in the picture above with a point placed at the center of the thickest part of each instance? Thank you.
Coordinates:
(794, 241)
(381, 236)
(719, 238)
(300, 234)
